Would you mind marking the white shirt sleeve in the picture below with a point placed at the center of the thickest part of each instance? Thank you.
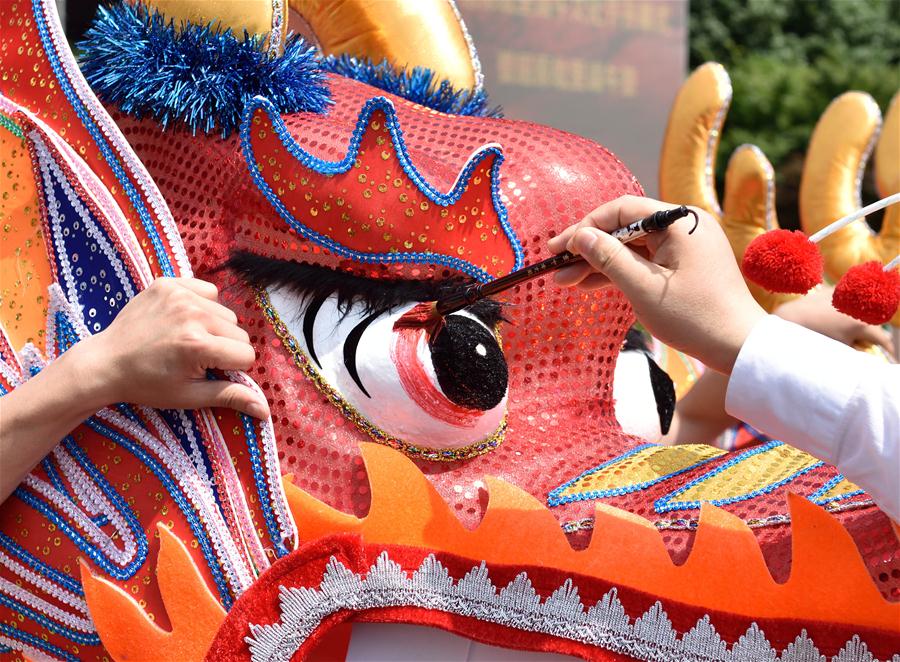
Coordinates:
(817, 394)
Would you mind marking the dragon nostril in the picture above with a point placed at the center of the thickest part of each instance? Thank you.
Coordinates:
(469, 364)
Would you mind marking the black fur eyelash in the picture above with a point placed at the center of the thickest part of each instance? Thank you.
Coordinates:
(313, 281)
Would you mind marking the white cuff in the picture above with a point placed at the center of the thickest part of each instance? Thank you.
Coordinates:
(794, 384)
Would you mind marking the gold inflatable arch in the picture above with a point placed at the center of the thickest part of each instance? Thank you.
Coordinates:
(408, 33)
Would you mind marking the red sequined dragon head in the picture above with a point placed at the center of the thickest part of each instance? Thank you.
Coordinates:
(408, 464)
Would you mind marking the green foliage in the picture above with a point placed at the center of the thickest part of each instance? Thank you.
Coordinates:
(787, 60)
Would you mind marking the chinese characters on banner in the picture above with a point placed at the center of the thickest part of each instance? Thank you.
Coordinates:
(604, 69)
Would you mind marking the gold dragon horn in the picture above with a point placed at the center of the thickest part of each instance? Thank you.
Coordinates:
(407, 33)
(749, 209)
(688, 160)
(263, 18)
(832, 176)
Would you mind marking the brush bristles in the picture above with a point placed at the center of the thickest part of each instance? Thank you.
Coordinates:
(423, 316)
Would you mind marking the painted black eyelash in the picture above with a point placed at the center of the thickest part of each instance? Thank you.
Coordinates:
(315, 281)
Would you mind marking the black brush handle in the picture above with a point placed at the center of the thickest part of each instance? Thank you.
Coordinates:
(472, 293)
(655, 222)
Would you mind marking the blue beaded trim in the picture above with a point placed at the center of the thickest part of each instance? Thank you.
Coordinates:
(82, 638)
(173, 489)
(337, 167)
(36, 642)
(556, 498)
(21, 554)
(819, 498)
(259, 479)
(46, 509)
(668, 502)
(109, 156)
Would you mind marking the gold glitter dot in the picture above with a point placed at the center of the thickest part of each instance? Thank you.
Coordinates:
(386, 236)
(380, 221)
(407, 244)
(262, 134)
(403, 197)
(313, 211)
(340, 202)
(462, 218)
(423, 238)
(362, 178)
(385, 154)
(449, 227)
(367, 193)
(326, 206)
(484, 236)
(382, 188)
(423, 206)
(376, 125)
(398, 182)
(409, 212)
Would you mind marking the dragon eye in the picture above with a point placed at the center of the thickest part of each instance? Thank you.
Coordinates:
(447, 392)
(469, 364)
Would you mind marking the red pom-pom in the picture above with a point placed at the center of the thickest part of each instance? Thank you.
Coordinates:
(868, 293)
(783, 261)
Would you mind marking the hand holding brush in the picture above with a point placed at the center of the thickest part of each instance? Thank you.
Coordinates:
(431, 314)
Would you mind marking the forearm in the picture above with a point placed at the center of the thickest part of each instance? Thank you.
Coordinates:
(36, 415)
(700, 414)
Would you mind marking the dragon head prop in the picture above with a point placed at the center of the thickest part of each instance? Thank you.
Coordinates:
(326, 198)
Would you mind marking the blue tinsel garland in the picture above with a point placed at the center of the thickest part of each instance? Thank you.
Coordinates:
(420, 86)
(195, 76)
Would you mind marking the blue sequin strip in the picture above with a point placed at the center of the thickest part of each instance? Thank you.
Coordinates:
(819, 495)
(36, 642)
(556, 497)
(262, 486)
(96, 133)
(337, 167)
(66, 335)
(173, 489)
(668, 503)
(86, 546)
(21, 554)
(83, 638)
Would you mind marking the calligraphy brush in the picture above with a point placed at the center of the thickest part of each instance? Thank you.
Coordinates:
(430, 314)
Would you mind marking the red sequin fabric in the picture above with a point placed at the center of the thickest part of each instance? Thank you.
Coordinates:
(561, 345)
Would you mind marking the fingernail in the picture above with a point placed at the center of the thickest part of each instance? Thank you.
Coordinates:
(256, 410)
(584, 241)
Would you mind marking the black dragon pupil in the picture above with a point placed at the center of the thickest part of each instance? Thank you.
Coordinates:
(469, 364)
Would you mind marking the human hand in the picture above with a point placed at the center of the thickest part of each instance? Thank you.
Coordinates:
(815, 312)
(687, 290)
(157, 350)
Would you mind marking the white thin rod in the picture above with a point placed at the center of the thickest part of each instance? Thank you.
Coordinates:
(855, 216)
(893, 264)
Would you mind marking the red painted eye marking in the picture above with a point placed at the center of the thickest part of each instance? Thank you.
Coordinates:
(418, 385)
